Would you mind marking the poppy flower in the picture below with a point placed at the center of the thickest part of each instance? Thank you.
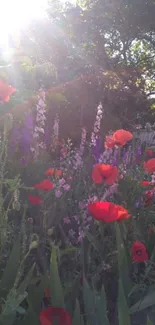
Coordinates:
(139, 252)
(5, 91)
(52, 171)
(34, 200)
(47, 293)
(119, 138)
(49, 172)
(104, 173)
(148, 198)
(145, 183)
(107, 211)
(149, 165)
(149, 152)
(48, 315)
(45, 185)
(151, 231)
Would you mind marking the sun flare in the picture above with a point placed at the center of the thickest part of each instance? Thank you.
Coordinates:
(16, 14)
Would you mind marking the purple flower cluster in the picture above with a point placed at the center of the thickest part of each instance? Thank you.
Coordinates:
(39, 130)
(77, 161)
(97, 125)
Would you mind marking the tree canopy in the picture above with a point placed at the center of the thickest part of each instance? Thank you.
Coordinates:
(98, 50)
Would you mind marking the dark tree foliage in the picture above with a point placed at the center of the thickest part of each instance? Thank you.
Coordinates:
(102, 50)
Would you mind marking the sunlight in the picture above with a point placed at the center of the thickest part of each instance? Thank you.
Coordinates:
(16, 14)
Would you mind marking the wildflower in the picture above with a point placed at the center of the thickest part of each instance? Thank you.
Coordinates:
(139, 252)
(82, 205)
(108, 211)
(97, 125)
(49, 172)
(145, 183)
(59, 315)
(104, 173)
(71, 233)
(55, 133)
(153, 179)
(149, 153)
(119, 138)
(58, 193)
(149, 165)
(151, 231)
(52, 171)
(78, 155)
(66, 220)
(45, 185)
(47, 293)
(34, 200)
(5, 91)
(30, 220)
(61, 181)
(66, 187)
(38, 135)
(148, 199)
(58, 172)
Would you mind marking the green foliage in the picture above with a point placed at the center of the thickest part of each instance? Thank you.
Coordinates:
(56, 288)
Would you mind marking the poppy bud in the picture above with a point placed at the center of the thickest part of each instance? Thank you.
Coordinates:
(34, 245)
(50, 231)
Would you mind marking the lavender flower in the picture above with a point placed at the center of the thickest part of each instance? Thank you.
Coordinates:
(55, 136)
(97, 124)
(66, 220)
(77, 161)
(58, 193)
(66, 187)
(38, 135)
(61, 181)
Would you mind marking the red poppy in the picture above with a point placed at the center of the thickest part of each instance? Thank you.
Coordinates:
(47, 293)
(48, 315)
(5, 91)
(148, 198)
(35, 200)
(139, 252)
(45, 185)
(119, 138)
(104, 173)
(149, 152)
(150, 165)
(49, 172)
(146, 183)
(52, 171)
(107, 211)
(151, 231)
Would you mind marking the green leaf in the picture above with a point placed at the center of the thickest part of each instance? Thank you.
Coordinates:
(11, 269)
(72, 294)
(147, 301)
(149, 321)
(8, 319)
(77, 316)
(55, 284)
(123, 265)
(89, 303)
(36, 294)
(123, 310)
(20, 310)
(93, 242)
(26, 281)
(101, 309)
